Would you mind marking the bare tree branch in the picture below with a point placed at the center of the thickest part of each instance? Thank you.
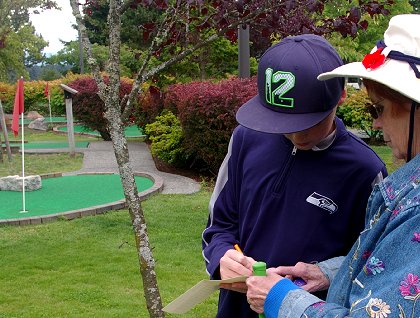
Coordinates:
(91, 60)
(162, 34)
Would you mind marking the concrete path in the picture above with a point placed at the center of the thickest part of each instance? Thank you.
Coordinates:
(100, 157)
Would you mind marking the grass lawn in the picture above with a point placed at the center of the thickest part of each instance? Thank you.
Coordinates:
(41, 164)
(32, 135)
(385, 153)
(88, 267)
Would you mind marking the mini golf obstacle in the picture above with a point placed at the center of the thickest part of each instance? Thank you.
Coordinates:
(72, 196)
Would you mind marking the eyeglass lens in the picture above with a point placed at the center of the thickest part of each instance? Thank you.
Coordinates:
(374, 110)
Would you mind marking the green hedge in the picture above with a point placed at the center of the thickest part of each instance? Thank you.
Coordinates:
(206, 111)
(354, 115)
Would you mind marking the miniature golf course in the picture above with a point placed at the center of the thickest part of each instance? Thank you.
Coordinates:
(54, 120)
(70, 196)
(68, 193)
(130, 131)
(50, 145)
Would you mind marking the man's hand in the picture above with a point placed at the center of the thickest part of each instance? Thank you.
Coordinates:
(258, 288)
(233, 264)
(310, 273)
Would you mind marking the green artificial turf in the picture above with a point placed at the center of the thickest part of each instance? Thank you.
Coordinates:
(67, 193)
(47, 120)
(130, 131)
(51, 145)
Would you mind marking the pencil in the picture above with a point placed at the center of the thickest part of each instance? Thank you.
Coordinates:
(236, 246)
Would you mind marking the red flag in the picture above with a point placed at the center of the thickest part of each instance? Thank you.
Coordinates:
(46, 90)
(18, 107)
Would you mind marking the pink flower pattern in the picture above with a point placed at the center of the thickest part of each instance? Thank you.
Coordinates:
(320, 306)
(410, 286)
(416, 237)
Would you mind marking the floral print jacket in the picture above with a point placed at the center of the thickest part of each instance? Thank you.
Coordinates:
(380, 277)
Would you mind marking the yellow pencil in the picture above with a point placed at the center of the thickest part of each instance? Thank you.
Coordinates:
(236, 246)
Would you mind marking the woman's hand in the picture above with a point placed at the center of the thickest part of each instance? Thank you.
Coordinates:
(258, 288)
(310, 273)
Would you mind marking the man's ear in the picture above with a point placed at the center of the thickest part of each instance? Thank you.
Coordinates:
(342, 97)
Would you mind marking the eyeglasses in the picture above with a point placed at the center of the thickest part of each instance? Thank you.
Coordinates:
(375, 110)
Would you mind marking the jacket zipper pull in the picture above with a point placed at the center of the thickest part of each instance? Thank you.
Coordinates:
(294, 150)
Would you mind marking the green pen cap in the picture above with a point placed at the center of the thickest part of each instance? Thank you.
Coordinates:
(259, 269)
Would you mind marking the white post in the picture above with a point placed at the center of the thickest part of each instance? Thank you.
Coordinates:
(70, 127)
(68, 92)
(23, 167)
(49, 106)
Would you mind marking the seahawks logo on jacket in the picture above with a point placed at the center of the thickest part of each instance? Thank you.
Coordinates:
(322, 202)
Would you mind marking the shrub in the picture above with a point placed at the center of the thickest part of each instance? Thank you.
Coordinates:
(150, 106)
(89, 109)
(354, 115)
(207, 114)
(35, 100)
(7, 95)
(166, 136)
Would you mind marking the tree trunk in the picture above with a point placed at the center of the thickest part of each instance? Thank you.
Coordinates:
(144, 251)
(109, 93)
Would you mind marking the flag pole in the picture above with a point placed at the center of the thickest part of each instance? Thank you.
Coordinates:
(18, 110)
(47, 94)
(23, 163)
(49, 106)
(23, 168)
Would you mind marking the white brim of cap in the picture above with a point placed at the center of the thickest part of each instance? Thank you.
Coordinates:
(397, 75)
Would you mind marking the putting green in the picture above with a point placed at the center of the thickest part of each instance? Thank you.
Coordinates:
(51, 145)
(54, 120)
(130, 131)
(68, 193)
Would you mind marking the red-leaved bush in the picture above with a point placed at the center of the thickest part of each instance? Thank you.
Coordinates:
(207, 114)
(150, 106)
(88, 108)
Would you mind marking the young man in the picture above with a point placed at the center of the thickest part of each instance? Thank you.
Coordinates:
(295, 183)
(379, 277)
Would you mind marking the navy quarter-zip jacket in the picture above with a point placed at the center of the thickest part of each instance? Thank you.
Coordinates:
(283, 206)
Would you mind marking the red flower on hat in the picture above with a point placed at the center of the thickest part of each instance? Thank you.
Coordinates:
(374, 60)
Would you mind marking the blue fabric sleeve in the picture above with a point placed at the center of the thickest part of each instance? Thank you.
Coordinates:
(275, 297)
(221, 232)
(331, 266)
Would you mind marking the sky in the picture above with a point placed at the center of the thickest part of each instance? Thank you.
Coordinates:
(55, 25)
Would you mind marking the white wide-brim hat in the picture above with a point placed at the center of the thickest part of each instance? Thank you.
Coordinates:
(402, 36)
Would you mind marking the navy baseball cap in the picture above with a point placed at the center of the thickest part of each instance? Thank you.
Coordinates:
(290, 98)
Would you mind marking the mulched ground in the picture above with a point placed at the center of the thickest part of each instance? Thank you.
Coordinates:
(165, 167)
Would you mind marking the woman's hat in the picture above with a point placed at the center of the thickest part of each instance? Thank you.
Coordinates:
(290, 98)
(394, 62)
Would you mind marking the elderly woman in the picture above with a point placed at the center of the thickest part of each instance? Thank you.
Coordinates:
(380, 277)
